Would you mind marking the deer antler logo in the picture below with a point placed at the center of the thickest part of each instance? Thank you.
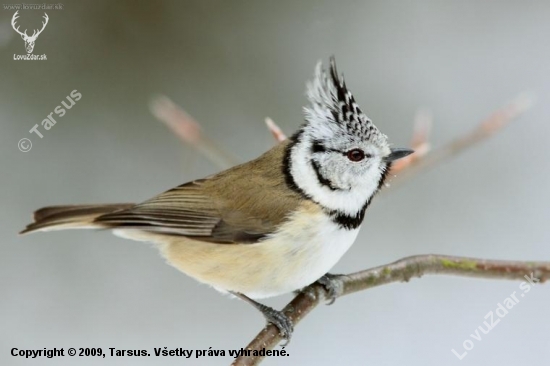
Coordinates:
(29, 40)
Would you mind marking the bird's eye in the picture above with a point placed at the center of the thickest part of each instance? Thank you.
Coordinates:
(356, 155)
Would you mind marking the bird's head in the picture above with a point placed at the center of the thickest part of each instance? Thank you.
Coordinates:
(339, 158)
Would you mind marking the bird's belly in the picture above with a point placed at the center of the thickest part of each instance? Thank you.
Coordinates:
(299, 253)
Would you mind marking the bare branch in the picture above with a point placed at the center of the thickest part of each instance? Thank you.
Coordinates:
(487, 128)
(275, 130)
(189, 131)
(420, 142)
(400, 271)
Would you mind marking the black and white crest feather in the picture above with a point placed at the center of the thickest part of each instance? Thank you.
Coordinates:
(332, 103)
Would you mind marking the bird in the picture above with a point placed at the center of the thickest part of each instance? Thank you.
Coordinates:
(272, 225)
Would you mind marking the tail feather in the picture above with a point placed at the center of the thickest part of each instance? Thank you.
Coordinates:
(71, 217)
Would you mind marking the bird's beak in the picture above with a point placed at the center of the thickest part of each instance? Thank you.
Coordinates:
(397, 154)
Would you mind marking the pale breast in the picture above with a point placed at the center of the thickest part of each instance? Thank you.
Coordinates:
(306, 247)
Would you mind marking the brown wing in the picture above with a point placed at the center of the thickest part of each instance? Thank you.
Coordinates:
(240, 205)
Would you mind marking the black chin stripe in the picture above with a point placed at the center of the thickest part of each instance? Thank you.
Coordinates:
(347, 221)
(322, 180)
(351, 222)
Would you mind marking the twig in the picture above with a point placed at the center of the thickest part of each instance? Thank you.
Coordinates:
(275, 130)
(400, 271)
(420, 142)
(189, 131)
(487, 128)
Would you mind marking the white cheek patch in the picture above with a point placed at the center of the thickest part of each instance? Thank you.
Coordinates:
(347, 201)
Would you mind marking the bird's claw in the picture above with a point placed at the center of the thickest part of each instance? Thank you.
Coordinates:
(281, 321)
(333, 285)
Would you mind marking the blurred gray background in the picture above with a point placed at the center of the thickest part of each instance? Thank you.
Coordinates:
(231, 64)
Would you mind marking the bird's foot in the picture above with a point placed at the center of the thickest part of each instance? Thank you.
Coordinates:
(334, 286)
(280, 320)
(275, 317)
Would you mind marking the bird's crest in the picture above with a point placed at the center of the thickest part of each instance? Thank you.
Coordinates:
(332, 103)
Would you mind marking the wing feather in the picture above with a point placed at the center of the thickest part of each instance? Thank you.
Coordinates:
(187, 210)
(240, 205)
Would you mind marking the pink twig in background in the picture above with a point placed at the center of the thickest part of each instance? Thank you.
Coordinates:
(275, 130)
(188, 130)
(420, 142)
(487, 128)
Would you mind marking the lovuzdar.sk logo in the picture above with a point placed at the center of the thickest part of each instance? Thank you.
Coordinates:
(29, 40)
